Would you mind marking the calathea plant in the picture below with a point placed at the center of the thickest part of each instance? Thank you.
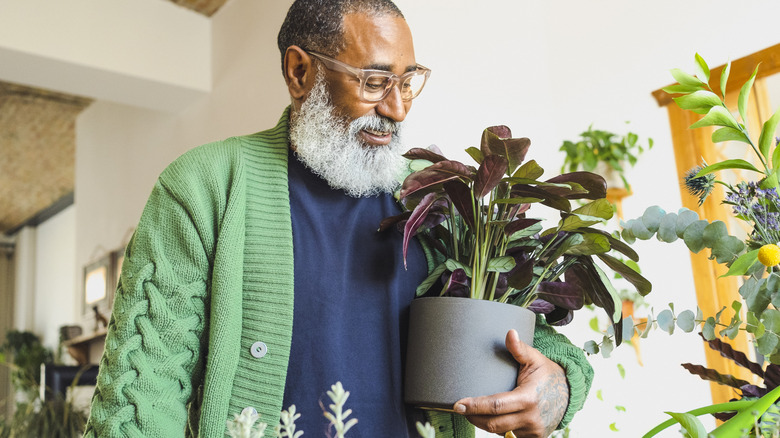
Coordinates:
(477, 222)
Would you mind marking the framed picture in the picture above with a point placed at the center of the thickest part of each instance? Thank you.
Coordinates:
(98, 290)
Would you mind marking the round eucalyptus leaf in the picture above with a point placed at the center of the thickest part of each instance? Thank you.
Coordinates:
(652, 218)
(693, 236)
(666, 321)
(667, 230)
(686, 321)
(685, 217)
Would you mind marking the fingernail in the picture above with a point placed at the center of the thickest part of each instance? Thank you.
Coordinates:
(459, 408)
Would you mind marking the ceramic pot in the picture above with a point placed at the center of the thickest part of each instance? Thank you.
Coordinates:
(456, 348)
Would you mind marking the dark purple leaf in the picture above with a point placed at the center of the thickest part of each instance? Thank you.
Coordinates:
(460, 194)
(497, 140)
(753, 391)
(393, 220)
(772, 376)
(489, 174)
(416, 220)
(519, 224)
(583, 274)
(424, 154)
(642, 285)
(566, 295)
(457, 285)
(541, 306)
(549, 198)
(521, 275)
(726, 350)
(714, 376)
(593, 183)
(559, 317)
(434, 174)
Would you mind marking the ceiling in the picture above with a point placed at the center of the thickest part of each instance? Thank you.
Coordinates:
(37, 146)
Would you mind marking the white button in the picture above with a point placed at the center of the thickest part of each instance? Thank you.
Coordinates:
(258, 349)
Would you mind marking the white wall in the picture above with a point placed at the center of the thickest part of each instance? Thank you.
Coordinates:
(546, 69)
(56, 276)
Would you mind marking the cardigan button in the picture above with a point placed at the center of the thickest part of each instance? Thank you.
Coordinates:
(258, 349)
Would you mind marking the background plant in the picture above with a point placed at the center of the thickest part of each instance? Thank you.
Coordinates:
(476, 220)
(596, 146)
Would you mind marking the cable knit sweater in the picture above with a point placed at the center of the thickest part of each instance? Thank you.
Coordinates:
(207, 275)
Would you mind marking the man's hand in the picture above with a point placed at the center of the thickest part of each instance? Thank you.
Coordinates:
(534, 408)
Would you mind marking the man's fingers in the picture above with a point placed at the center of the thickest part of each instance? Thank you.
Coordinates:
(522, 352)
(496, 404)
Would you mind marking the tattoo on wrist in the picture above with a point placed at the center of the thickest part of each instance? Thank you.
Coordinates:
(553, 400)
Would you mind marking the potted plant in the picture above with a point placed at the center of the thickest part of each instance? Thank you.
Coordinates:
(476, 222)
(754, 258)
(605, 153)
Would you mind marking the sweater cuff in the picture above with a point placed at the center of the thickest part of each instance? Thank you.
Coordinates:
(579, 373)
(450, 425)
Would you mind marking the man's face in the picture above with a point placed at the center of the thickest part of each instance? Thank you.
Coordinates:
(381, 43)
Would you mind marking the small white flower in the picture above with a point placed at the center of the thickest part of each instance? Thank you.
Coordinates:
(243, 425)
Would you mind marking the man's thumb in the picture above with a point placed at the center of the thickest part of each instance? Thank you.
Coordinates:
(522, 352)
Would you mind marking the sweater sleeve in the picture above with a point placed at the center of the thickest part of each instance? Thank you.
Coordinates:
(579, 373)
(154, 342)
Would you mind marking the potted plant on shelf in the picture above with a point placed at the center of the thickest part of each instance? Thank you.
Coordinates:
(476, 222)
(605, 153)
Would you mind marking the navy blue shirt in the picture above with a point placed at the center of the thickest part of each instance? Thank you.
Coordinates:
(352, 297)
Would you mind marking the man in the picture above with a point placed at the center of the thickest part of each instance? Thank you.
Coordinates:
(256, 278)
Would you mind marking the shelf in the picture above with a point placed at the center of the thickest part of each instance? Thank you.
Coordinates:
(82, 347)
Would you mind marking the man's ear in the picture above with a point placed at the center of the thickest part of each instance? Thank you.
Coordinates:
(299, 72)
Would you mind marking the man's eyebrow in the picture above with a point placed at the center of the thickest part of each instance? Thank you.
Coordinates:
(388, 67)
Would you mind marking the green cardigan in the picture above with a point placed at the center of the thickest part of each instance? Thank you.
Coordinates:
(191, 304)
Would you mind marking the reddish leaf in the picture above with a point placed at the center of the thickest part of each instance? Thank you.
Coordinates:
(593, 183)
(519, 224)
(541, 306)
(489, 175)
(416, 220)
(392, 220)
(434, 174)
(521, 275)
(460, 195)
(550, 199)
(497, 140)
(424, 154)
(566, 295)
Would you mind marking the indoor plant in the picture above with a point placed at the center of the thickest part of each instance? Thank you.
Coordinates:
(604, 152)
(475, 221)
(754, 258)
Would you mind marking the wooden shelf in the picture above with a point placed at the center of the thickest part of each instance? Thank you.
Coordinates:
(80, 347)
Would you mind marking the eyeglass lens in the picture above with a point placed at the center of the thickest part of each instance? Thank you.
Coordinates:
(377, 87)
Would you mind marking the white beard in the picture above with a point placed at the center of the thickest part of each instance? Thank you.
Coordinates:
(332, 149)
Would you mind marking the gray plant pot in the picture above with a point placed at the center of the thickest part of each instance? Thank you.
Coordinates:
(457, 349)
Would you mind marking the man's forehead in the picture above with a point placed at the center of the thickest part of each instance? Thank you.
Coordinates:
(380, 42)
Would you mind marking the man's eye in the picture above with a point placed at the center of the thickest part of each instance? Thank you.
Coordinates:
(375, 85)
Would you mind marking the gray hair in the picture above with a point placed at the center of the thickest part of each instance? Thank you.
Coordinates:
(319, 24)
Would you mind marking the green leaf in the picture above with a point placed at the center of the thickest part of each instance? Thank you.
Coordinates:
(514, 201)
(592, 243)
(642, 285)
(693, 236)
(729, 134)
(591, 347)
(417, 165)
(685, 218)
(453, 264)
(768, 344)
(742, 264)
(708, 331)
(599, 395)
(701, 99)
(727, 164)
(746, 416)
(702, 71)
(529, 170)
(613, 427)
(768, 135)
(726, 249)
(639, 230)
(576, 221)
(667, 230)
(501, 264)
(476, 154)
(686, 79)
(618, 407)
(724, 77)
(594, 324)
(652, 218)
(717, 116)
(622, 372)
(690, 424)
(432, 278)
(686, 321)
(744, 94)
(606, 346)
(680, 89)
(666, 321)
(600, 208)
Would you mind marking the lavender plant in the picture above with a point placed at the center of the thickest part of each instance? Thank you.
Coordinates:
(477, 221)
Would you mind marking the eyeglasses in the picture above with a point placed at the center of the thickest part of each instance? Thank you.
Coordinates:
(375, 85)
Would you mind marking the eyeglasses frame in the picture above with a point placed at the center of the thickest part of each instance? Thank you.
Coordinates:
(362, 74)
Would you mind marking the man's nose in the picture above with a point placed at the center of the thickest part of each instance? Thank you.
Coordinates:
(392, 106)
